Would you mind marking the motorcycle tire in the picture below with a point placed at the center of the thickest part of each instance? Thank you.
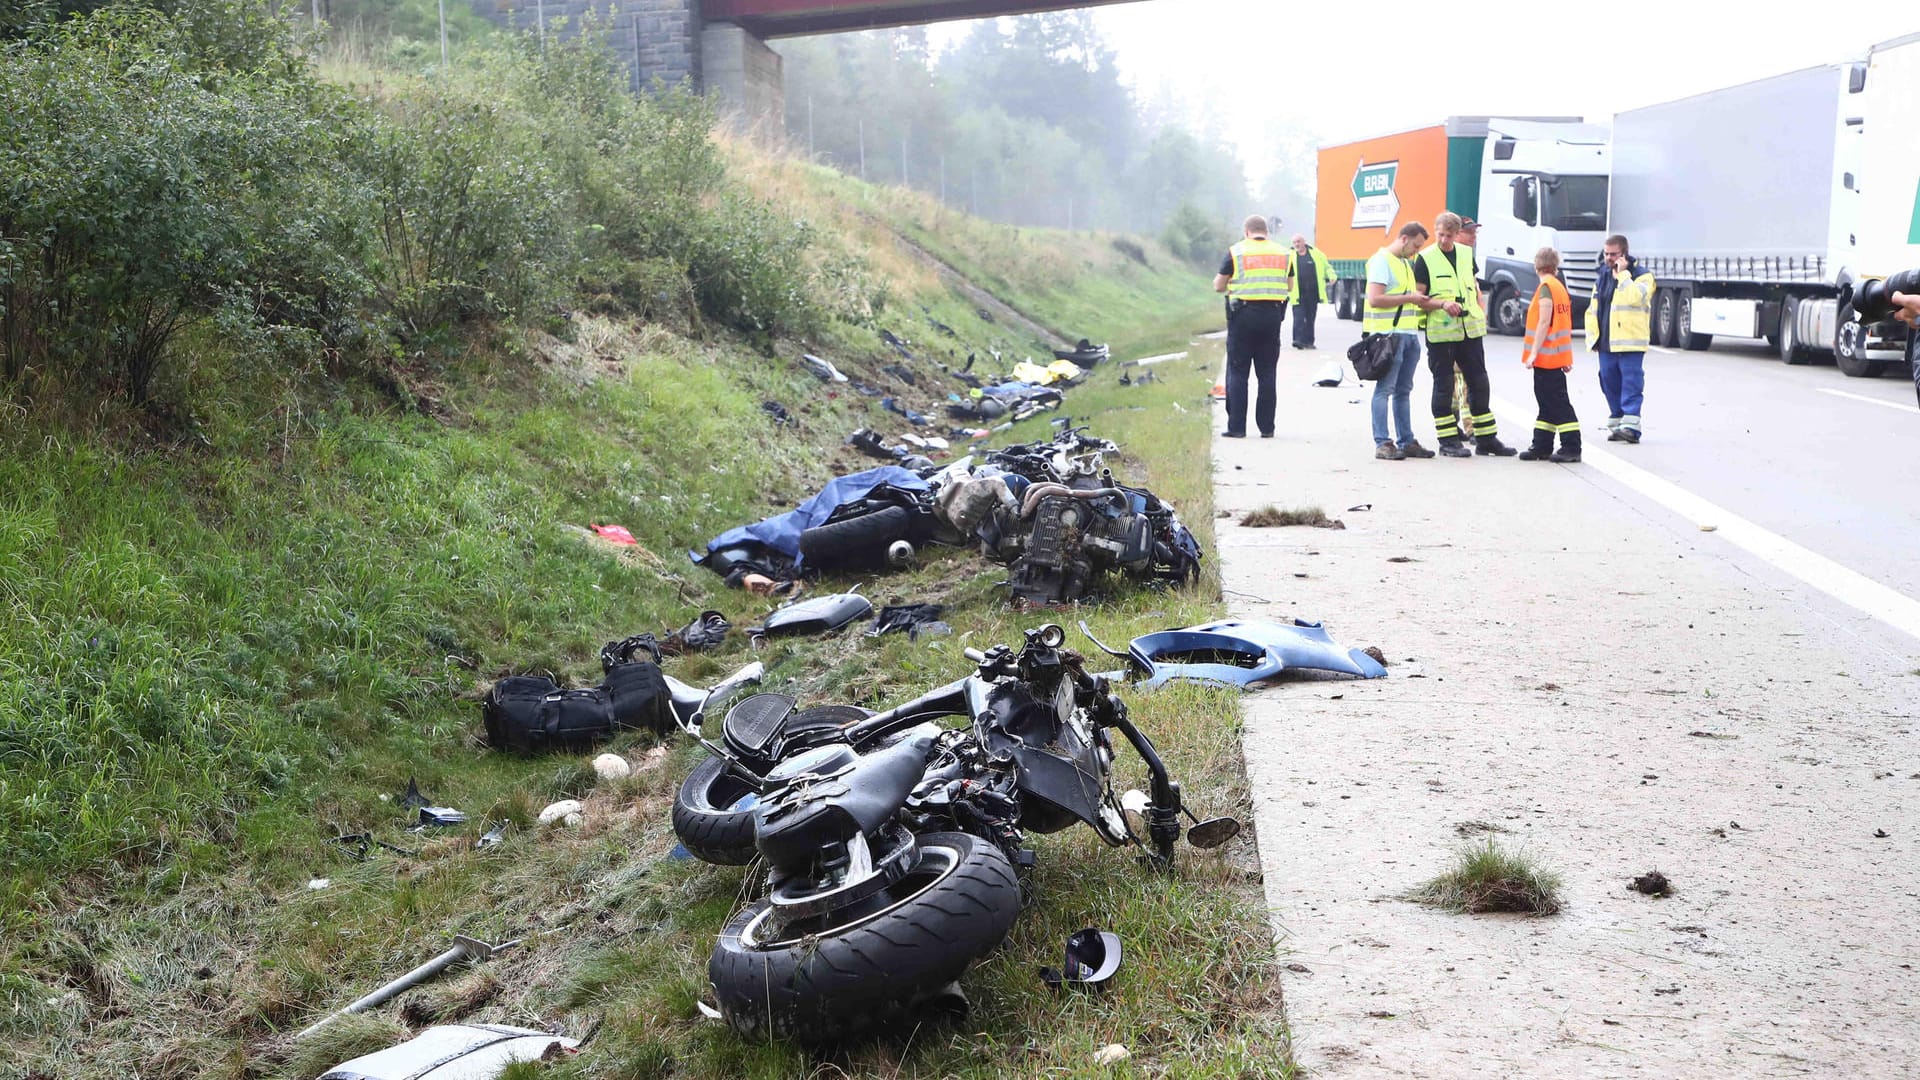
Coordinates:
(851, 973)
(858, 543)
(705, 820)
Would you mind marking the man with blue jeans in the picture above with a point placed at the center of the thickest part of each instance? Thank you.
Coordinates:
(1395, 306)
(1619, 326)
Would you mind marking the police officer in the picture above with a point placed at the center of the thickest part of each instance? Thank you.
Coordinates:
(1255, 277)
(1456, 340)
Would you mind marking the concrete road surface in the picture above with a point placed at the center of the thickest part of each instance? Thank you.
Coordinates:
(1580, 671)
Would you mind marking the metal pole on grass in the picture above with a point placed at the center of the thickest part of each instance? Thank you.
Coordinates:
(540, 13)
(443, 33)
(863, 148)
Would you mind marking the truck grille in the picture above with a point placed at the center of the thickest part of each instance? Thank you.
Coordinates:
(1579, 269)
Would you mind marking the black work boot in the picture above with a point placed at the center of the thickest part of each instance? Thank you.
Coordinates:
(1491, 446)
(1454, 448)
(1542, 448)
(1569, 449)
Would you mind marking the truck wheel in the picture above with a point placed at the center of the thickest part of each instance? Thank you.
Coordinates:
(1787, 338)
(1849, 351)
(844, 974)
(1508, 312)
(1342, 301)
(1663, 317)
(1683, 336)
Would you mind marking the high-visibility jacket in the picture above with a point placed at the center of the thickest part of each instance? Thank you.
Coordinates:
(1629, 314)
(1550, 346)
(1376, 320)
(1262, 270)
(1317, 260)
(1445, 283)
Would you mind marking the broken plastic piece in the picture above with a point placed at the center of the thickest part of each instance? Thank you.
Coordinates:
(615, 534)
(494, 836)
(1235, 653)
(912, 618)
(1092, 958)
(440, 817)
(821, 369)
(454, 1052)
(412, 797)
(820, 615)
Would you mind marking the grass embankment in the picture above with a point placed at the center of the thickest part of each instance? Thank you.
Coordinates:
(219, 658)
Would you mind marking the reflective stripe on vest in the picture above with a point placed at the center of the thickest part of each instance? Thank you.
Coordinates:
(1387, 320)
(1629, 322)
(1443, 282)
(1261, 271)
(1553, 347)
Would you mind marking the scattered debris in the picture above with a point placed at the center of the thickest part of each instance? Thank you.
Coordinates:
(1235, 653)
(493, 836)
(778, 412)
(1092, 957)
(316, 884)
(1652, 883)
(1379, 656)
(566, 811)
(913, 619)
(1299, 969)
(1402, 559)
(411, 797)
(1709, 528)
(612, 767)
(821, 369)
(1272, 517)
(1666, 989)
(1710, 735)
(473, 1051)
(1379, 1014)
(1477, 828)
(708, 629)
(464, 948)
(614, 534)
(1111, 1054)
(820, 615)
(1486, 878)
(1361, 509)
(439, 817)
(1881, 834)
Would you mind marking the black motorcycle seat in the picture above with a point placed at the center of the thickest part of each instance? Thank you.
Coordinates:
(792, 827)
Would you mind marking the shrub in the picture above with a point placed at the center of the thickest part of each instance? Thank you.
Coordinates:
(1192, 236)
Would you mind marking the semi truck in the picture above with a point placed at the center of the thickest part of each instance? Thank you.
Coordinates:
(1746, 204)
(1530, 182)
(1889, 182)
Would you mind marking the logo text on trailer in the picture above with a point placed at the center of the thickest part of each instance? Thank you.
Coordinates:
(1375, 204)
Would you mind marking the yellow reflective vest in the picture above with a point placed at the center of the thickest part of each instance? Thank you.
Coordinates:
(1629, 314)
(1445, 283)
(1262, 270)
(1320, 267)
(1386, 320)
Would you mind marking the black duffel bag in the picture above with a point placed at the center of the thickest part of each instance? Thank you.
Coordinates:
(1372, 356)
(532, 715)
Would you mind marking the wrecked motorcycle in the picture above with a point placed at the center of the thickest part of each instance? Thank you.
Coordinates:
(896, 847)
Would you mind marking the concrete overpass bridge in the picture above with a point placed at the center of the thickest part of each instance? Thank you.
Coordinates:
(720, 46)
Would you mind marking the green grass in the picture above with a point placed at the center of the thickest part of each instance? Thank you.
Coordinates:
(1488, 878)
(218, 655)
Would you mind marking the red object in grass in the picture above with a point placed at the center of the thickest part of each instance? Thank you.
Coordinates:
(616, 534)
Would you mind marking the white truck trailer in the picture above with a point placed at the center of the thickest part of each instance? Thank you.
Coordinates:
(1745, 203)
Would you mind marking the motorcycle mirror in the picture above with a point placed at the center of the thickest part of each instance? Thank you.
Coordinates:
(1134, 801)
(1213, 832)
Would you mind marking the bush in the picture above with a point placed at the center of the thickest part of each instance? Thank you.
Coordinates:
(1192, 236)
(148, 187)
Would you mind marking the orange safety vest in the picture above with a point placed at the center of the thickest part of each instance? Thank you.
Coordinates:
(1554, 349)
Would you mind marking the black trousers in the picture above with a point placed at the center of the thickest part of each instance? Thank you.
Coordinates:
(1253, 348)
(1470, 356)
(1556, 412)
(1913, 357)
(1303, 323)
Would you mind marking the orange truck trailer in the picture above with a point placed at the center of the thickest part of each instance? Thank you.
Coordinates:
(1530, 182)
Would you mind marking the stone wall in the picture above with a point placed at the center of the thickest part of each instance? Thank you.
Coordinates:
(653, 39)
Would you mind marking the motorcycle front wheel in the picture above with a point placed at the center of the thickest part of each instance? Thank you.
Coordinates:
(856, 970)
(713, 815)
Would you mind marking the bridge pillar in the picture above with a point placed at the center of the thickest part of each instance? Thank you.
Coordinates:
(654, 39)
(743, 75)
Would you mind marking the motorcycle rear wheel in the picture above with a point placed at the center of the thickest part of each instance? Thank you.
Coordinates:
(705, 818)
(847, 973)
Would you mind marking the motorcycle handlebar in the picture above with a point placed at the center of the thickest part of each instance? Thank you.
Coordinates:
(975, 655)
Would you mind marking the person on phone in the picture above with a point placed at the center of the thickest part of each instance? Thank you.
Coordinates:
(1257, 277)
(1619, 326)
(1395, 306)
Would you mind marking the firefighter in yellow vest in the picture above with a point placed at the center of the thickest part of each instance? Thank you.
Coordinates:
(1548, 350)
(1456, 339)
(1256, 277)
(1619, 329)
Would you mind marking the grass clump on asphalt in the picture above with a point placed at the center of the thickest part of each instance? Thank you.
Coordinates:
(1488, 878)
(1272, 517)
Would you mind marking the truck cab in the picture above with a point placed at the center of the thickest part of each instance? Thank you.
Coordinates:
(1542, 183)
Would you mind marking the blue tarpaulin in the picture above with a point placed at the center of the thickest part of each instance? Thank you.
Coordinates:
(781, 533)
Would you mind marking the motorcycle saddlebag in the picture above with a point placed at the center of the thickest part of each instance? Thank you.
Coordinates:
(555, 719)
(638, 697)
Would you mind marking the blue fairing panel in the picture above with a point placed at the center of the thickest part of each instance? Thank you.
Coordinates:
(1235, 653)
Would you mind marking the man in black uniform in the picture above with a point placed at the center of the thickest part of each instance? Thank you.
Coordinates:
(1257, 278)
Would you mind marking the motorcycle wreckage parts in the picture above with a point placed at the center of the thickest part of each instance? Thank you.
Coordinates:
(829, 977)
(713, 809)
(1235, 653)
(820, 615)
(1092, 957)
(713, 814)
(829, 799)
(856, 543)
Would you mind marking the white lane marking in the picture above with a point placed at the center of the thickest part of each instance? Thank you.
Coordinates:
(1664, 349)
(1854, 589)
(1162, 358)
(1869, 400)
